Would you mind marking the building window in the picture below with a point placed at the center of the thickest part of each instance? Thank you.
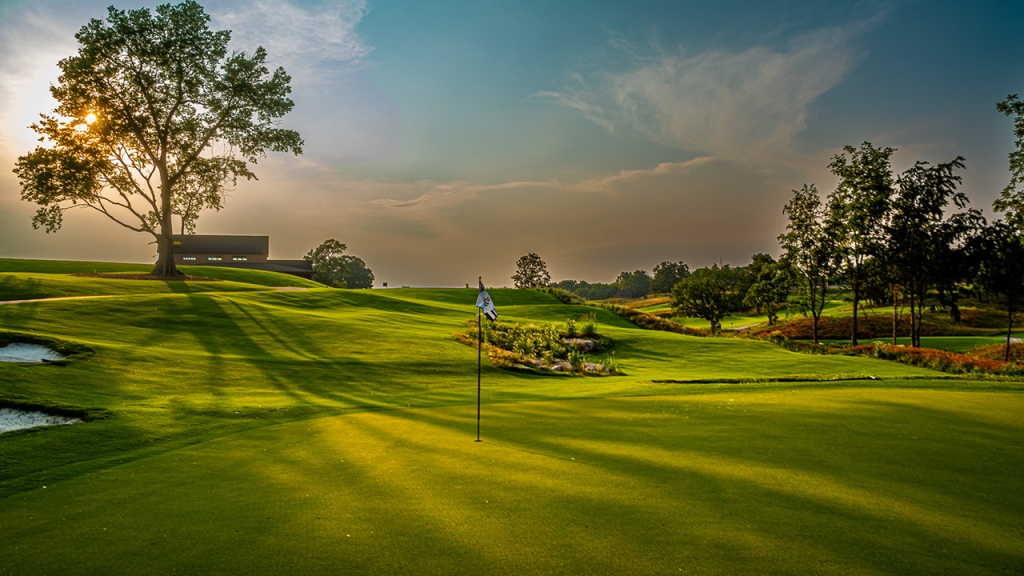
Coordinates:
(213, 258)
(189, 258)
(239, 258)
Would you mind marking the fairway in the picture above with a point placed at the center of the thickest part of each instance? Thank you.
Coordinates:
(249, 430)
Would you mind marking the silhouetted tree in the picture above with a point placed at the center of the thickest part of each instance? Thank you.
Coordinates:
(531, 272)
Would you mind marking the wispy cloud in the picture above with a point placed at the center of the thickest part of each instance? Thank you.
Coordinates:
(743, 105)
(309, 41)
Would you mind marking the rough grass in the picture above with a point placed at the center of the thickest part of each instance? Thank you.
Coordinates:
(330, 431)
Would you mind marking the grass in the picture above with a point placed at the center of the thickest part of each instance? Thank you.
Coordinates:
(330, 431)
(240, 275)
(950, 343)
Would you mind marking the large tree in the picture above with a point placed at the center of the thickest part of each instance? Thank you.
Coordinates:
(155, 118)
(531, 272)
(857, 209)
(810, 250)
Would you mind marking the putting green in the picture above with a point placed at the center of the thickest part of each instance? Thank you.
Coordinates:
(793, 480)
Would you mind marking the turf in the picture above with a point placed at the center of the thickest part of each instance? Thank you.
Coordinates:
(950, 343)
(62, 267)
(330, 431)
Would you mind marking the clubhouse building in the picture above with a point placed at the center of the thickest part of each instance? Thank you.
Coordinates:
(249, 252)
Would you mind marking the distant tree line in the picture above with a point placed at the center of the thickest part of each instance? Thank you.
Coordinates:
(907, 240)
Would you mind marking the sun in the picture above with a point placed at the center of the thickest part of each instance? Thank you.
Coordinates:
(90, 118)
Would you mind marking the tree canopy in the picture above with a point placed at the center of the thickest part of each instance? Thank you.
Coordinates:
(155, 118)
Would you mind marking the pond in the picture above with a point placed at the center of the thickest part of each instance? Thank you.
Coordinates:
(21, 353)
(11, 419)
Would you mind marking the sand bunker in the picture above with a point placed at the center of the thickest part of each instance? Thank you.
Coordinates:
(24, 353)
(11, 419)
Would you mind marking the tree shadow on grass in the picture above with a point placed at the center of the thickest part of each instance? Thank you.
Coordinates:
(912, 512)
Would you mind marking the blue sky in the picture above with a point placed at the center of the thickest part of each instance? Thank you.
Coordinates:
(446, 139)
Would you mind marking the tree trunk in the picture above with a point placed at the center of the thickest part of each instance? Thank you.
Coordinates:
(165, 241)
(895, 312)
(856, 296)
(1009, 330)
(912, 317)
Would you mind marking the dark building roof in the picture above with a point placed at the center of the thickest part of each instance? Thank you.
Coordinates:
(217, 244)
(297, 264)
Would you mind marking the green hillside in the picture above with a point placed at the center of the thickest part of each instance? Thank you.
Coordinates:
(331, 431)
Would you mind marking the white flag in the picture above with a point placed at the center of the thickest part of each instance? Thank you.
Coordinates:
(483, 302)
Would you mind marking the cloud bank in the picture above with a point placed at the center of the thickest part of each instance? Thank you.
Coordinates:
(746, 106)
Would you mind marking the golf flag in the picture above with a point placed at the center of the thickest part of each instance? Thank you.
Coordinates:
(483, 302)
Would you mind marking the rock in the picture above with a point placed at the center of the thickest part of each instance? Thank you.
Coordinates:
(581, 344)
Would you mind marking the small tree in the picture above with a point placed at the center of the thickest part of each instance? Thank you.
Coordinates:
(531, 272)
(709, 293)
(154, 118)
(636, 284)
(668, 274)
(328, 262)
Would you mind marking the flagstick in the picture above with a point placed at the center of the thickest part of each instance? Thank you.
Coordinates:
(479, 352)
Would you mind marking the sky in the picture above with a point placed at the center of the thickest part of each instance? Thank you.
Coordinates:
(445, 139)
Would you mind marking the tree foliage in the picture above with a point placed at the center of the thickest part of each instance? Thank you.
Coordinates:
(154, 118)
(531, 272)
(668, 274)
(328, 262)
